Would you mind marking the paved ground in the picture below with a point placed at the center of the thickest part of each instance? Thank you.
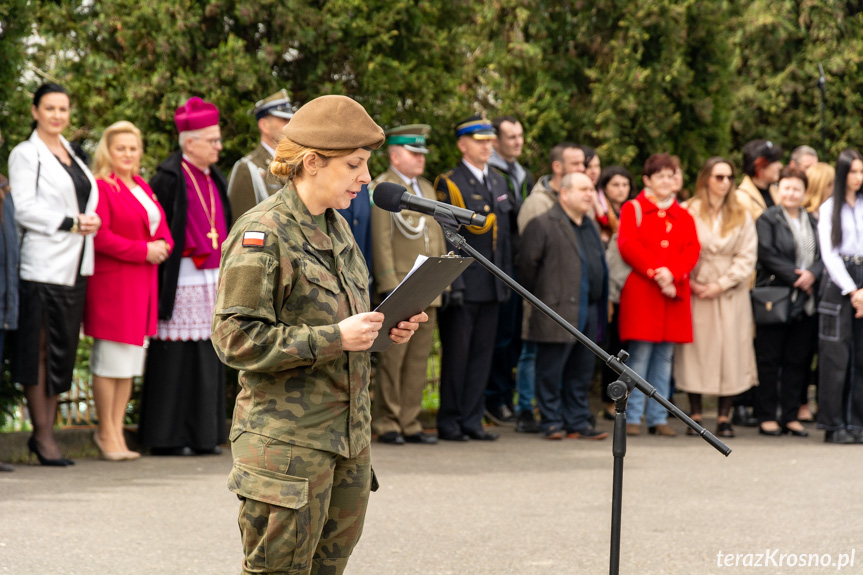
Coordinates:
(520, 506)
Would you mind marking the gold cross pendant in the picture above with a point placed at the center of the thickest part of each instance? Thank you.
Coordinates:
(214, 235)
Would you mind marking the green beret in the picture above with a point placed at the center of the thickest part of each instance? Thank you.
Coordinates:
(334, 123)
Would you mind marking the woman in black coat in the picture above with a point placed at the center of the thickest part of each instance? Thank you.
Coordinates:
(788, 255)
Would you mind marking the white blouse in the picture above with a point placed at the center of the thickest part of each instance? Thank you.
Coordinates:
(155, 218)
(852, 240)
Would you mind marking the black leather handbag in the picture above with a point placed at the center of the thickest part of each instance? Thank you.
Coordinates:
(771, 305)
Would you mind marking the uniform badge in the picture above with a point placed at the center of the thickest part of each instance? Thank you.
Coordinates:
(253, 239)
(502, 198)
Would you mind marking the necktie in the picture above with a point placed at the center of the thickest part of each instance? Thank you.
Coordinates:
(485, 181)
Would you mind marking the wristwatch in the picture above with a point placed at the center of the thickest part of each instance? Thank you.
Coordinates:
(74, 228)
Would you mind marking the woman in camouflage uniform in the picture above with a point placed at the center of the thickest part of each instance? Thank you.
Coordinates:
(292, 315)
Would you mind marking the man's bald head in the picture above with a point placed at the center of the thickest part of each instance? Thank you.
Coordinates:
(574, 179)
(577, 195)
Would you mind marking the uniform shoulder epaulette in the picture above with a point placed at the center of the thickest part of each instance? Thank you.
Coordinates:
(446, 175)
(450, 185)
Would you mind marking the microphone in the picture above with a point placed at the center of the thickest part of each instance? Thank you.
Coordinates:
(394, 198)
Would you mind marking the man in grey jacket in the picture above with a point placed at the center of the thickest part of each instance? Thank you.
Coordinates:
(564, 158)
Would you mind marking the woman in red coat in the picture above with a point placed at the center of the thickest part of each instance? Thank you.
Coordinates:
(658, 239)
(121, 308)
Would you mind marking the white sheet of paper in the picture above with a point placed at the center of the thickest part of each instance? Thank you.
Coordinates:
(419, 261)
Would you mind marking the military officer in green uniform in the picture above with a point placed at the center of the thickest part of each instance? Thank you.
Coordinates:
(397, 240)
(251, 181)
(292, 315)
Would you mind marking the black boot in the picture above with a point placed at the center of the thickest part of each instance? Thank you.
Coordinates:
(742, 416)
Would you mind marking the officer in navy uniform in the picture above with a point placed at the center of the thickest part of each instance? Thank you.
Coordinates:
(468, 318)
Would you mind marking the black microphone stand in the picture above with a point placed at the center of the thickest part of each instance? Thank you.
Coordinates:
(618, 390)
(822, 85)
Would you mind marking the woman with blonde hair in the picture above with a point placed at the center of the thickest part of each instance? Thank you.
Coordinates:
(120, 311)
(821, 177)
(292, 315)
(721, 358)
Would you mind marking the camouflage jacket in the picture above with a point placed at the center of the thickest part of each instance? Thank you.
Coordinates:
(283, 287)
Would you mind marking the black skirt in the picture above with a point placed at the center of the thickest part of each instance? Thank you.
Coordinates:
(183, 397)
(58, 310)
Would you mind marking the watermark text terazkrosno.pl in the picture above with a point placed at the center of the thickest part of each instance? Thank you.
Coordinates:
(775, 558)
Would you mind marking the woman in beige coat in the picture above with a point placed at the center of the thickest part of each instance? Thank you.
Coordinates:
(721, 359)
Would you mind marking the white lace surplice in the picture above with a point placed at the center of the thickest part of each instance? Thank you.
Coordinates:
(194, 305)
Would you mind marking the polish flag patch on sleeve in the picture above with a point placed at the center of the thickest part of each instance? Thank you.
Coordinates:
(253, 239)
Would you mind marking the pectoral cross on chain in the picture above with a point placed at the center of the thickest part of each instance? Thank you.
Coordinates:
(214, 235)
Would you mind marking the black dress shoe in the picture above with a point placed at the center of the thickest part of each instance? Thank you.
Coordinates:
(724, 429)
(526, 423)
(741, 416)
(452, 436)
(838, 437)
(795, 432)
(423, 438)
(771, 432)
(482, 435)
(207, 450)
(392, 438)
(856, 434)
(172, 451)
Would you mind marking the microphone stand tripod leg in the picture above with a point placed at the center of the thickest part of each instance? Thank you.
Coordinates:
(618, 449)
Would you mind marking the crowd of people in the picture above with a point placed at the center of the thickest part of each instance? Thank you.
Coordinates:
(667, 273)
(676, 277)
(727, 289)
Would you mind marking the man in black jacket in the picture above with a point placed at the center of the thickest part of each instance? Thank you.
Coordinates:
(562, 262)
(468, 319)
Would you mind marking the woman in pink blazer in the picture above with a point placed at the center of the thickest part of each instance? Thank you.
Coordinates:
(121, 308)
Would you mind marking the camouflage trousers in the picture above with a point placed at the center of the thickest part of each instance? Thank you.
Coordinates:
(302, 510)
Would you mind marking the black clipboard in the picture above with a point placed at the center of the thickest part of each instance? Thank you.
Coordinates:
(420, 287)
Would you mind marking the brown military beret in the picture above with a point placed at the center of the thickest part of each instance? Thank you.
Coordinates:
(334, 123)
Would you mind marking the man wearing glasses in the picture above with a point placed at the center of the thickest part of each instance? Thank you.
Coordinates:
(183, 397)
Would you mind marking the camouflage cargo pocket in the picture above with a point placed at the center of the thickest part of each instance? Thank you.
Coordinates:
(274, 519)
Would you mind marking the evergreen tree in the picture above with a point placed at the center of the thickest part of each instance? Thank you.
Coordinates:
(15, 23)
(780, 46)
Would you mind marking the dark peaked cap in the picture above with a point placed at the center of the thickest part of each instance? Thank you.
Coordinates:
(334, 123)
